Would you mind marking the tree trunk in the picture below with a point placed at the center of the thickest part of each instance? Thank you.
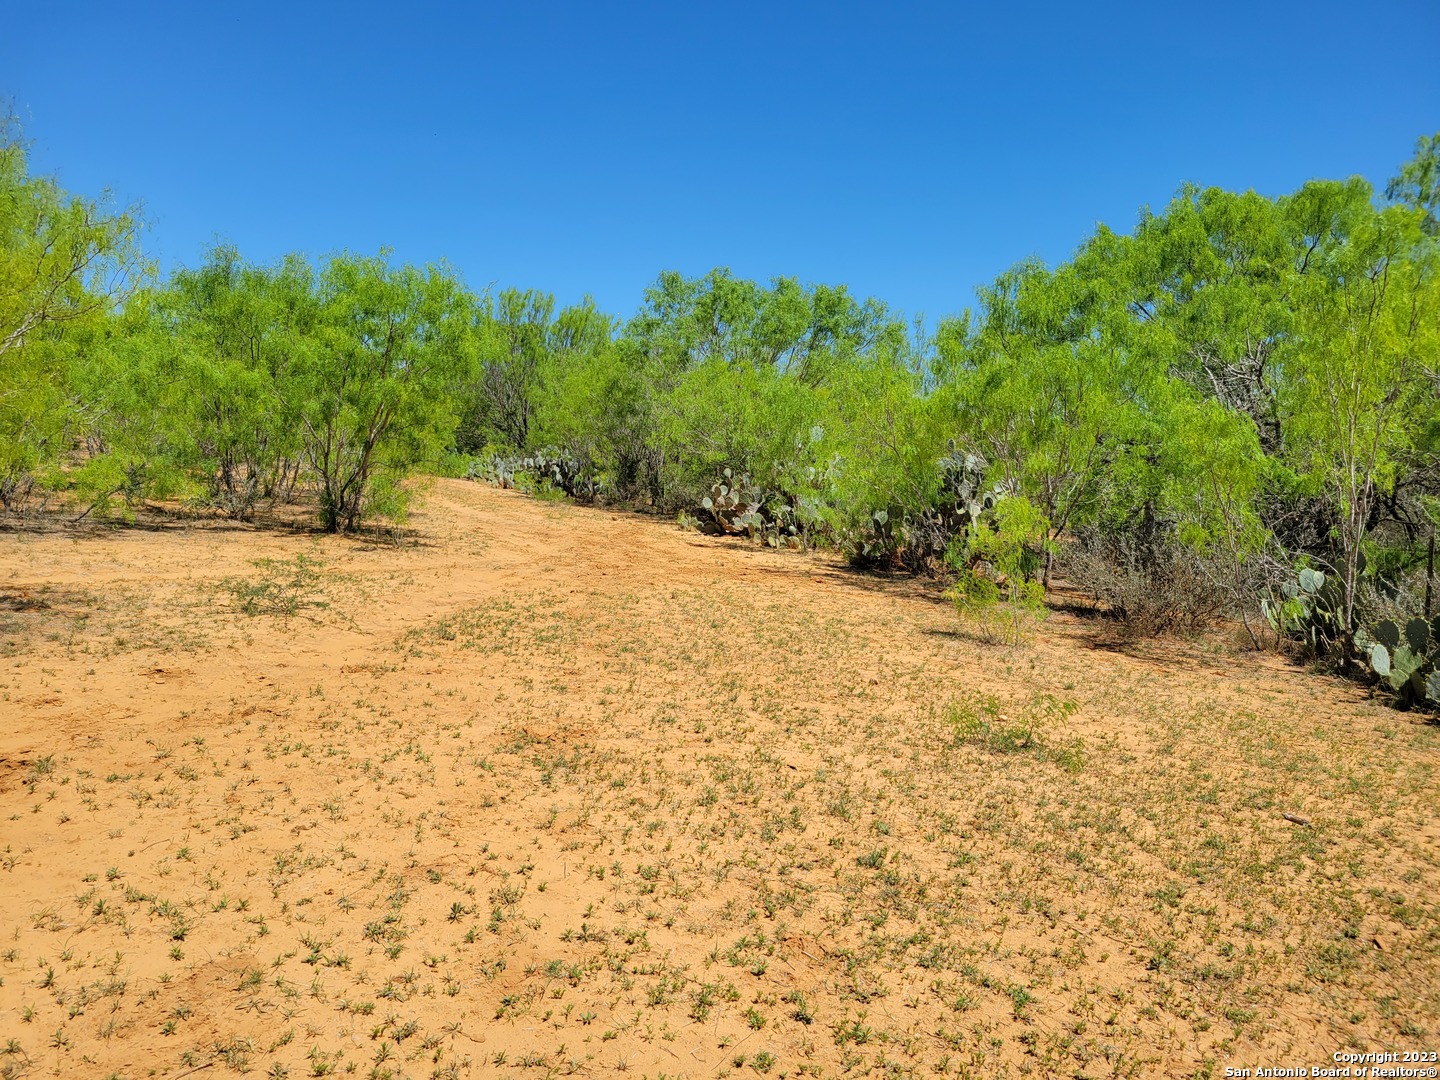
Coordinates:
(1429, 572)
(1352, 530)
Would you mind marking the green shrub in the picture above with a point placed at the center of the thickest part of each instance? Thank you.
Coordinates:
(996, 564)
(1019, 728)
(284, 587)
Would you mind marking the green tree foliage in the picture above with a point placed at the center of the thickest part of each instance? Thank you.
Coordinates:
(1417, 185)
(373, 383)
(63, 259)
(1039, 387)
(512, 334)
(883, 462)
(1255, 378)
(236, 385)
(1359, 374)
(236, 336)
(65, 262)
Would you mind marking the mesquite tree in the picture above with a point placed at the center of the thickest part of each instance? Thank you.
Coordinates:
(374, 382)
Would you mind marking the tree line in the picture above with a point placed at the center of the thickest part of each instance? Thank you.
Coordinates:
(1182, 418)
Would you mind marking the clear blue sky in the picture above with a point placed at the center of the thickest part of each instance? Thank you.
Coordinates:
(911, 151)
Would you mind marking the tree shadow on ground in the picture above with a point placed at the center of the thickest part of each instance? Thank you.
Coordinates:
(295, 519)
(28, 611)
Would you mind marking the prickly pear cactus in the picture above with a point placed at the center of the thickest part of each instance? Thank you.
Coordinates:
(1406, 659)
(962, 477)
(558, 467)
(1308, 609)
(917, 540)
(735, 505)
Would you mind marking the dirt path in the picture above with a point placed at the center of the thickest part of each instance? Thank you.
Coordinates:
(547, 789)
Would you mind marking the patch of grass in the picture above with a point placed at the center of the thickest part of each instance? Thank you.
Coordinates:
(284, 587)
(1022, 727)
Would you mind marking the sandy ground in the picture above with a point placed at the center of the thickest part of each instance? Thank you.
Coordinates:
(542, 790)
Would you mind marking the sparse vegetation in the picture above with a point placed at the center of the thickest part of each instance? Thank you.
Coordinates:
(747, 806)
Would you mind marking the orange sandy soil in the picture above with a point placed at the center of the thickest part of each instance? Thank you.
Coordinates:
(543, 790)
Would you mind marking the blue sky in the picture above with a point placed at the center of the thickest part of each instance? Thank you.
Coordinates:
(911, 151)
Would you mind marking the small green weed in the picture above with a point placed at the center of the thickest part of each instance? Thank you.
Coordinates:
(1018, 728)
(285, 587)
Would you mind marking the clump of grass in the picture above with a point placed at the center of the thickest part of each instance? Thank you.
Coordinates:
(1021, 728)
(284, 587)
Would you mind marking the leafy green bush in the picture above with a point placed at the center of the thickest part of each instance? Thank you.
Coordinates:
(996, 561)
